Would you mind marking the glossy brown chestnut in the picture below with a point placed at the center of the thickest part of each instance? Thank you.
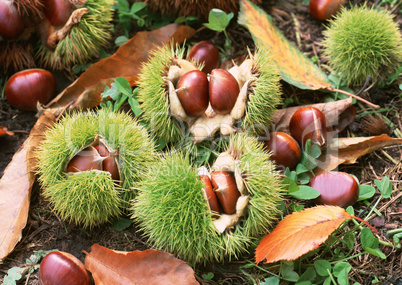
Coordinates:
(11, 22)
(207, 53)
(285, 149)
(223, 91)
(224, 184)
(87, 159)
(309, 123)
(57, 11)
(336, 188)
(25, 88)
(62, 268)
(325, 9)
(210, 194)
(192, 90)
(109, 164)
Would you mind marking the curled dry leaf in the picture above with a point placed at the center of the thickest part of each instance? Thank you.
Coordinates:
(137, 267)
(348, 150)
(15, 188)
(126, 62)
(300, 233)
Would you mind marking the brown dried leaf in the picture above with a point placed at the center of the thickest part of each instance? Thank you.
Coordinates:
(137, 267)
(126, 62)
(348, 150)
(15, 189)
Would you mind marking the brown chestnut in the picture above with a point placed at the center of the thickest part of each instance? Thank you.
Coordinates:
(210, 194)
(336, 188)
(192, 90)
(109, 164)
(223, 91)
(11, 22)
(25, 88)
(57, 11)
(87, 159)
(225, 188)
(325, 9)
(62, 268)
(308, 123)
(207, 53)
(285, 150)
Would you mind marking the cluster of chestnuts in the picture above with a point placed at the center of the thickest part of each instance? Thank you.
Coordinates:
(196, 94)
(306, 123)
(42, 32)
(27, 88)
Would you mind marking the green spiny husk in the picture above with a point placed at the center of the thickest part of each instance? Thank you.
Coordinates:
(68, 193)
(84, 40)
(153, 96)
(173, 214)
(363, 42)
(265, 95)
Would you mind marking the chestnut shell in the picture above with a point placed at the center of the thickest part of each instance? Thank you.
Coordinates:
(207, 53)
(285, 150)
(57, 11)
(223, 91)
(11, 22)
(27, 87)
(226, 191)
(192, 90)
(336, 188)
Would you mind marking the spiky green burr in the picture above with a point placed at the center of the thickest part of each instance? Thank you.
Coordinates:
(90, 198)
(173, 213)
(85, 39)
(363, 42)
(258, 80)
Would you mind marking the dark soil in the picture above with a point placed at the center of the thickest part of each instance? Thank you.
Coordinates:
(45, 231)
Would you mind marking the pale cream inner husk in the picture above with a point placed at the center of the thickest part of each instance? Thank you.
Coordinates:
(209, 123)
(226, 162)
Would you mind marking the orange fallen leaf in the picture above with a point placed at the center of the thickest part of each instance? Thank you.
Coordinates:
(5, 131)
(15, 191)
(300, 233)
(137, 267)
(125, 62)
(294, 67)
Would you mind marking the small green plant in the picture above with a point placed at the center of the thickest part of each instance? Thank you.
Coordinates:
(118, 93)
(16, 274)
(362, 42)
(218, 21)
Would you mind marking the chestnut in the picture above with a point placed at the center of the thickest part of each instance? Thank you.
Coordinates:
(210, 194)
(87, 159)
(109, 164)
(192, 90)
(27, 87)
(223, 91)
(285, 150)
(57, 11)
(207, 53)
(325, 9)
(309, 123)
(62, 268)
(336, 188)
(226, 191)
(11, 22)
